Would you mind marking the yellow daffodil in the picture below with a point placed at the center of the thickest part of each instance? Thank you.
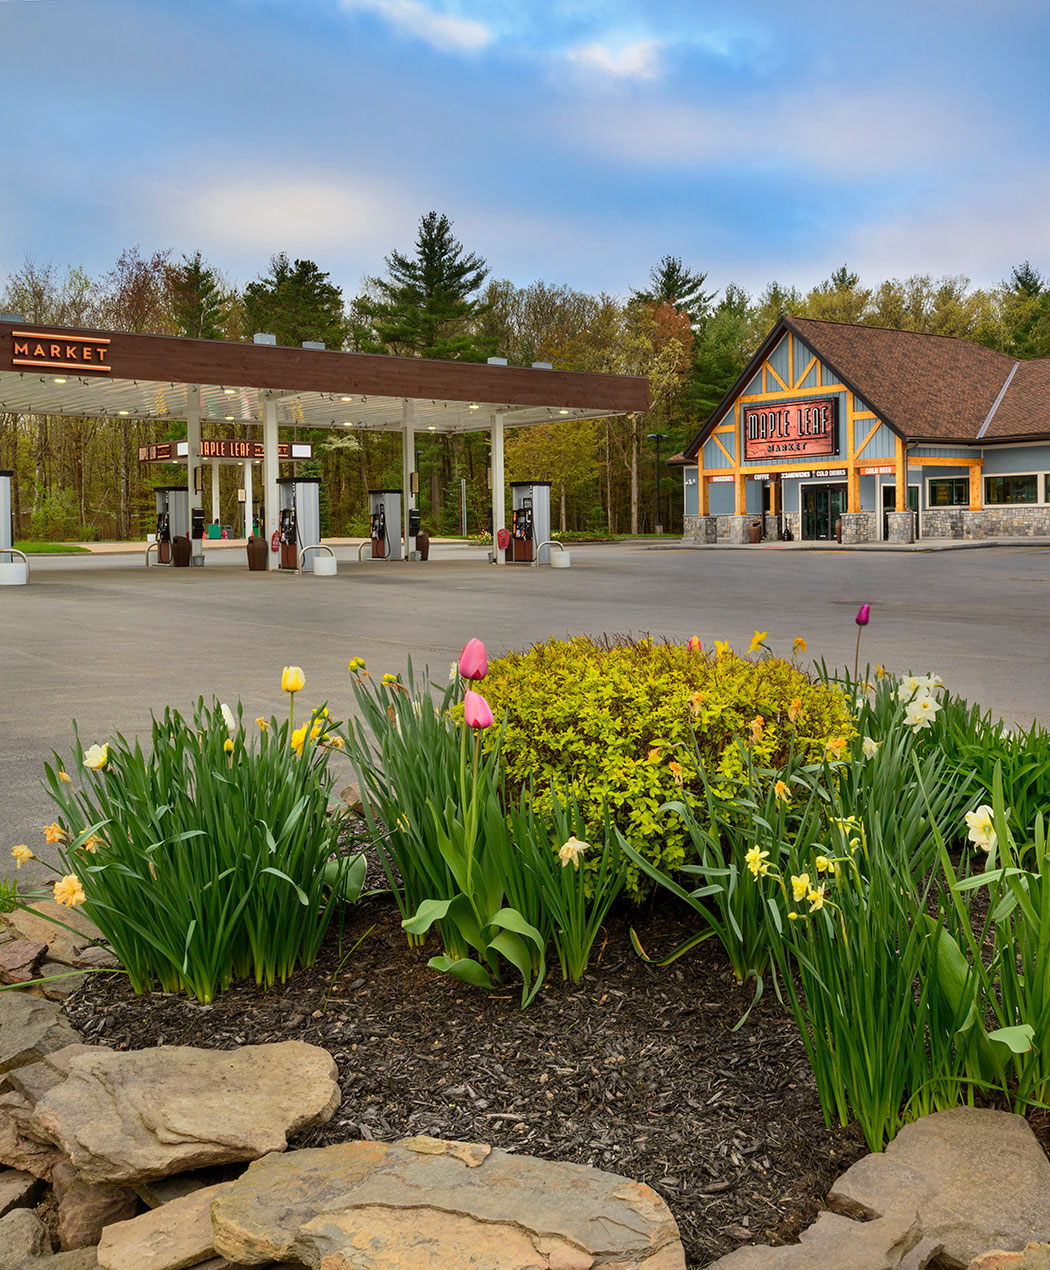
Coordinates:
(834, 746)
(69, 891)
(800, 885)
(355, 665)
(389, 679)
(93, 843)
(794, 708)
(823, 863)
(981, 826)
(65, 776)
(54, 833)
(845, 824)
(299, 736)
(696, 701)
(798, 645)
(569, 852)
(880, 672)
(756, 861)
(722, 647)
(757, 640)
(792, 917)
(96, 757)
(263, 723)
(333, 742)
(782, 792)
(21, 854)
(815, 899)
(292, 679)
(676, 771)
(757, 727)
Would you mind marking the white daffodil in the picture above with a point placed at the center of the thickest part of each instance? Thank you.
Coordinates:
(229, 717)
(910, 687)
(982, 831)
(870, 747)
(929, 682)
(571, 851)
(921, 712)
(96, 757)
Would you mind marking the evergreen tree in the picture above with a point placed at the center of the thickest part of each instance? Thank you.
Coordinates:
(721, 350)
(1026, 312)
(671, 283)
(295, 302)
(423, 307)
(200, 304)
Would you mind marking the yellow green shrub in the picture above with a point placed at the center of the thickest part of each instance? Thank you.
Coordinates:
(617, 719)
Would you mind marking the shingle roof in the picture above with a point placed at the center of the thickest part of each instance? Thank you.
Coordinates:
(927, 388)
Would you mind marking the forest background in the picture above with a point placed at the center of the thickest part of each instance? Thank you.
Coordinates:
(80, 479)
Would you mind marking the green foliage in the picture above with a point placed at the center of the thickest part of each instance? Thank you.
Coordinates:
(56, 517)
(202, 866)
(201, 304)
(670, 282)
(295, 302)
(616, 719)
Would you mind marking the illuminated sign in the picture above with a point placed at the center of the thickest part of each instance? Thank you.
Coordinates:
(818, 472)
(84, 353)
(176, 451)
(884, 470)
(718, 480)
(791, 428)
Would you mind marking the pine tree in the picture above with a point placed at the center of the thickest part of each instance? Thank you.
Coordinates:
(201, 305)
(295, 302)
(423, 307)
(671, 283)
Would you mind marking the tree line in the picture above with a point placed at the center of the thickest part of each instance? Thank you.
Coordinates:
(80, 478)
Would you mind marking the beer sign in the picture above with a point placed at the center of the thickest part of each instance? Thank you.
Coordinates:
(791, 429)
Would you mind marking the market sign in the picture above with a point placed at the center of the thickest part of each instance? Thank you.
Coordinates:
(791, 428)
(176, 451)
(83, 353)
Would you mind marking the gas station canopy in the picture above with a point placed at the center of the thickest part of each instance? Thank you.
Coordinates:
(48, 370)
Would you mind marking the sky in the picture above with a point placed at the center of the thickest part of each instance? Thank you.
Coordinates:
(570, 140)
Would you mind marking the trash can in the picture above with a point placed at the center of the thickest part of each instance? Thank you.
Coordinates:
(755, 531)
(181, 550)
(838, 530)
(256, 553)
(423, 544)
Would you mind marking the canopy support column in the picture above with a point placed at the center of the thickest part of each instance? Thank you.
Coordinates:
(249, 498)
(499, 556)
(408, 467)
(214, 491)
(269, 489)
(193, 458)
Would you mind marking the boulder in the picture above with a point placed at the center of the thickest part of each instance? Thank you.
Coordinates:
(34, 1079)
(977, 1178)
(30, 1029)
(23, 1237)
(20, 1149)
(132, 1117)
(171, 1237)
(430, 1204)
(20, 960)
(85, 1209)
(39, 924)
(18, 1189)
(1032, 1257)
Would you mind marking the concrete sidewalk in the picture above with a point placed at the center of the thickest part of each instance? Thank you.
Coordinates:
(923, 544)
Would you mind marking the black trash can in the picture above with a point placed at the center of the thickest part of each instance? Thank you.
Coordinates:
(755, 531)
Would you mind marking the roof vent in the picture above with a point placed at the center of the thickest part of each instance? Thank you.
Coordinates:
(497, 361)
(263, 337)
(313, 344)
(542, 366)
(11, 317)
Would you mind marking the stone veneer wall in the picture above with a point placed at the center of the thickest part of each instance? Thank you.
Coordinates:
(1006, 522)
(792, 521)
(901, 527)
(858, 527)
(942, 522)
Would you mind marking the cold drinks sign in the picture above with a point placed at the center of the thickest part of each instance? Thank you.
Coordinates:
(792, 429)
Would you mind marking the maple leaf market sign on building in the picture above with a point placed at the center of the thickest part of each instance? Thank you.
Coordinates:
(792, 428)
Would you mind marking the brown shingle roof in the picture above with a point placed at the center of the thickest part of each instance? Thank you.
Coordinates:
(928, 388)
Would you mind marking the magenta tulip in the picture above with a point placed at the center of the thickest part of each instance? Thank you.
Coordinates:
(474, 661)
(863, 614)
(694, 645)
(476, 711)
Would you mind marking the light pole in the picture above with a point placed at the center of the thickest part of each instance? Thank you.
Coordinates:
(657, 437)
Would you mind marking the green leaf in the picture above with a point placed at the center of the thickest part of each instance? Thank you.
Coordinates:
(469, 971)
(1020, 1038)
(429, 912)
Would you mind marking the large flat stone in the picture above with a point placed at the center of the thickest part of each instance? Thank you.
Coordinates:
(172, 1237)
(20, 960)
(34, 1079)
(436, 1205)
(132, 1117)
(17, 1149)
(63, 945)
(18, 1190)
(977, 1178)
(30, 1029)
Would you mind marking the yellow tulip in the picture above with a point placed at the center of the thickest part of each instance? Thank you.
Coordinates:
(292, 679)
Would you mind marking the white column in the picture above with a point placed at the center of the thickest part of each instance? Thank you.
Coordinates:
(193, 451)
(249, 495)
(408, 466)
(497, 485)
(215, 490)
(269, 489)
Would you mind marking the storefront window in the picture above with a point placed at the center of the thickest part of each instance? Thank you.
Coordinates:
(953, 491)
(1011, 489)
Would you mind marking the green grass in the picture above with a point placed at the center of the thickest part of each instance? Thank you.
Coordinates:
(48, 548)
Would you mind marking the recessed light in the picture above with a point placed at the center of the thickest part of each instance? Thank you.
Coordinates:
(346, 398)
(474, 407)
(563, 412)
(230, 392)
(348, 423)
(432, 427)
(58, 381)
(123, 412)
(229, 418)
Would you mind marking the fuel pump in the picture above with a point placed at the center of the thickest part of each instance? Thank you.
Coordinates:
(530, 523)
(299, 519)
(163, 526)
(384, 523)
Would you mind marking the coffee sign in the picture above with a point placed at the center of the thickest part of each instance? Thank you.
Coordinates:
(791, 428)
(83, 353)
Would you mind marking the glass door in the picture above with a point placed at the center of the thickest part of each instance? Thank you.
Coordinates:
(822, 505)
(889, 504)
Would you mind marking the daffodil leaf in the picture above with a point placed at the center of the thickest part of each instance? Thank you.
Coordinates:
(1019, 1038)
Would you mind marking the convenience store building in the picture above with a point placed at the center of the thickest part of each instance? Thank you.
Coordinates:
(895, 434)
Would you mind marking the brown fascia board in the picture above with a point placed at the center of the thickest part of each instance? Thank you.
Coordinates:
(174, 359)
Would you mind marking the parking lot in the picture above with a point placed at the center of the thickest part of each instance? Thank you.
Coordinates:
(105, 641)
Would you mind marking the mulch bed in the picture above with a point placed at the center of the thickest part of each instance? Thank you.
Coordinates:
(636, 1070)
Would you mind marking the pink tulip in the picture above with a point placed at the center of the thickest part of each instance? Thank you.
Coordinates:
(863, 615)
(694, 645)
(474, 662)
(476, 711)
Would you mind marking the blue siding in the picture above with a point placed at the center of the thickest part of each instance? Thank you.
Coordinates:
(778, 359)
(1020, 458)
(753, 387)
(789, 490)
(692, 491)
(721, 500)
(944, 451)
(713, 456)
(883, 445)
(754, 496)
(867, 493)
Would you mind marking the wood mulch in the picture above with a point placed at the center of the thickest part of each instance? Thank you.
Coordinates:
(635, 1069)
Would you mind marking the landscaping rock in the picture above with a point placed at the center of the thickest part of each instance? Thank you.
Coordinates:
(137, 1116)
(30, 1029)
(23, 1236)
(351, 797)
(18, 1189)
(56, 989)
(1031, 1257)
(18, 1150)
(20, 960)
(66, 946)
(34, 1079)
(430, 1204)
(85, 1209)
(163, 1190)
(81, 1259)
(172, 1237)
(977, 1178)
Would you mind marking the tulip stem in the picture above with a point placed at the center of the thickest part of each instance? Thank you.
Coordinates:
(856, 659)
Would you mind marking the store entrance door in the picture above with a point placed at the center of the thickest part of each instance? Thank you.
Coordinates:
(822, 505)
(889, 504)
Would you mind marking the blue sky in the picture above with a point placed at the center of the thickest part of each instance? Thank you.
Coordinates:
(568, 140)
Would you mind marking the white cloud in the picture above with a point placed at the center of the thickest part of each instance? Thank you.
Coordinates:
(445, 31)
(637, 60)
